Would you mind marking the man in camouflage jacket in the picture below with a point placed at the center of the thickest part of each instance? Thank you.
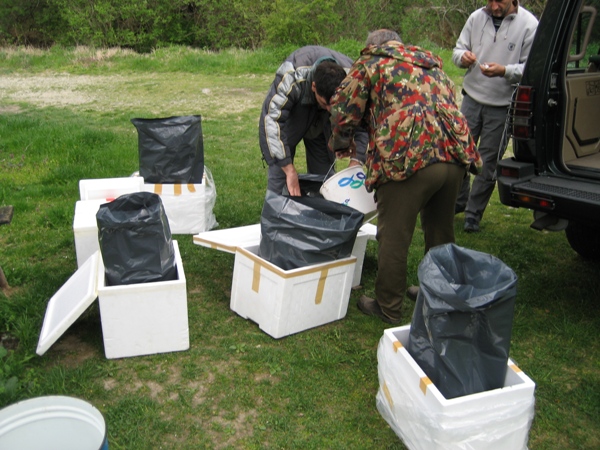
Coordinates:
(419, 152)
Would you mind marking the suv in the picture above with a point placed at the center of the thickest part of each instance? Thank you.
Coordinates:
(554, 123)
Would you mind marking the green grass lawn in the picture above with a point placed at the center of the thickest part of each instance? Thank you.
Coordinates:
(65, 116)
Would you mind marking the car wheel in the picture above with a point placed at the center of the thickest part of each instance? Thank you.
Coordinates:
(584, 240)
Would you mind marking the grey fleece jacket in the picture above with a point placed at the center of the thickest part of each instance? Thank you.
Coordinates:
(509, 46)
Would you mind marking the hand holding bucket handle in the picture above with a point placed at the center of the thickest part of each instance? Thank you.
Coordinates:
(349, 152)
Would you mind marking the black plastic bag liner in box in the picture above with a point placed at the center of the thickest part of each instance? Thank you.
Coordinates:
(301, 231)
(462, 323)
(171, 150)
(135, 240)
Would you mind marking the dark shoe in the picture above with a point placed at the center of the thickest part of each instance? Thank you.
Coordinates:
(458, 209)
(370, 307)
(412, 292)
(471, 225)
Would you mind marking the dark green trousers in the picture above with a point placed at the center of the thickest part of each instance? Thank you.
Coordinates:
(431, 192)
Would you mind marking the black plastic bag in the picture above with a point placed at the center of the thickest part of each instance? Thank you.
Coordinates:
(301, 231)
(135, 240)
(462, 323)
(171, 150)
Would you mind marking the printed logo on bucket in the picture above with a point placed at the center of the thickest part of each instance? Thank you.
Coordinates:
(351, 182)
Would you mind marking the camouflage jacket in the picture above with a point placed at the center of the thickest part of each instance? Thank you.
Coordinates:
(401, 95)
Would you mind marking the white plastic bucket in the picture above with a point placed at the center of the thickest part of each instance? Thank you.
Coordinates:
(348, 188)
(52, 423)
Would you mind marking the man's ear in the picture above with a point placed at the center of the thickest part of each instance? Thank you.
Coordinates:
(314, 87)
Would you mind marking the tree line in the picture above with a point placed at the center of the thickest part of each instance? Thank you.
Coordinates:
(143, 25)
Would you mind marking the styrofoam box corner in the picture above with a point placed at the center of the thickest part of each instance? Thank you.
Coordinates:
(424, 419)
(144, 318)
(284, 302)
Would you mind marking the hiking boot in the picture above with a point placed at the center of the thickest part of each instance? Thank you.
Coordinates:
(370, 307)
(471, 225)
(412, 292)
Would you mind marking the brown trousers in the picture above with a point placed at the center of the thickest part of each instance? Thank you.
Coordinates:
(432, 192)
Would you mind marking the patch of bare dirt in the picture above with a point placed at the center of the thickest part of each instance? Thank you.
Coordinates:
(8, 341)
(162, 93)
(72, 351)
(10, 109)
(238, 428)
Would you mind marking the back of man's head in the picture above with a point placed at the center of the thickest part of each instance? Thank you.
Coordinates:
(327, 77)
(382, 36)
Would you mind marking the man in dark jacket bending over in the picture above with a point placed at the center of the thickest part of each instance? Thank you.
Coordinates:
(297, 108)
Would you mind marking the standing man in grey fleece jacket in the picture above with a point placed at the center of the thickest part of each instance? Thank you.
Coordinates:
(493, 46)
(295, 109)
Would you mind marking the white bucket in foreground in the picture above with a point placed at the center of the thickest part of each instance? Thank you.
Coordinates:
(348, 188)
(52, 423)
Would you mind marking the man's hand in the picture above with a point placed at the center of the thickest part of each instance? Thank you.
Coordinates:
(493, 70)
(350, 152)
(291, 179)
(468, 59)
(489, 69)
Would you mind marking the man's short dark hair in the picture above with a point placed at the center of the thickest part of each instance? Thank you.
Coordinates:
(327, 77)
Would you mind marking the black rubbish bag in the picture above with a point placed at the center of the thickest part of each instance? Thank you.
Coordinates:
(171, 150)
(135, 240)
(462, 323)
(301, 231)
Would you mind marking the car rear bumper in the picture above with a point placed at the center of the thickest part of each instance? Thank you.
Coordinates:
(560, 196)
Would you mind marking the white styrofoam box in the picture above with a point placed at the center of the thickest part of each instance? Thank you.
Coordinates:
(423, 418)
(247, 236)
(189, 207)
(137, 319)
(85, 229)
(144, 318)
(109, 188)
(284, 302)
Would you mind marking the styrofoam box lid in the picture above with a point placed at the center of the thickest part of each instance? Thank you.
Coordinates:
(370, 229)
(229, 239)
(69, 302)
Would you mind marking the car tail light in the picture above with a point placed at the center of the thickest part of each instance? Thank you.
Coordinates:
(520, 112)
(532, 200)
(510, 172)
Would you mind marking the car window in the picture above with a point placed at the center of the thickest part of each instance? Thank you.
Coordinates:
(584, 51)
